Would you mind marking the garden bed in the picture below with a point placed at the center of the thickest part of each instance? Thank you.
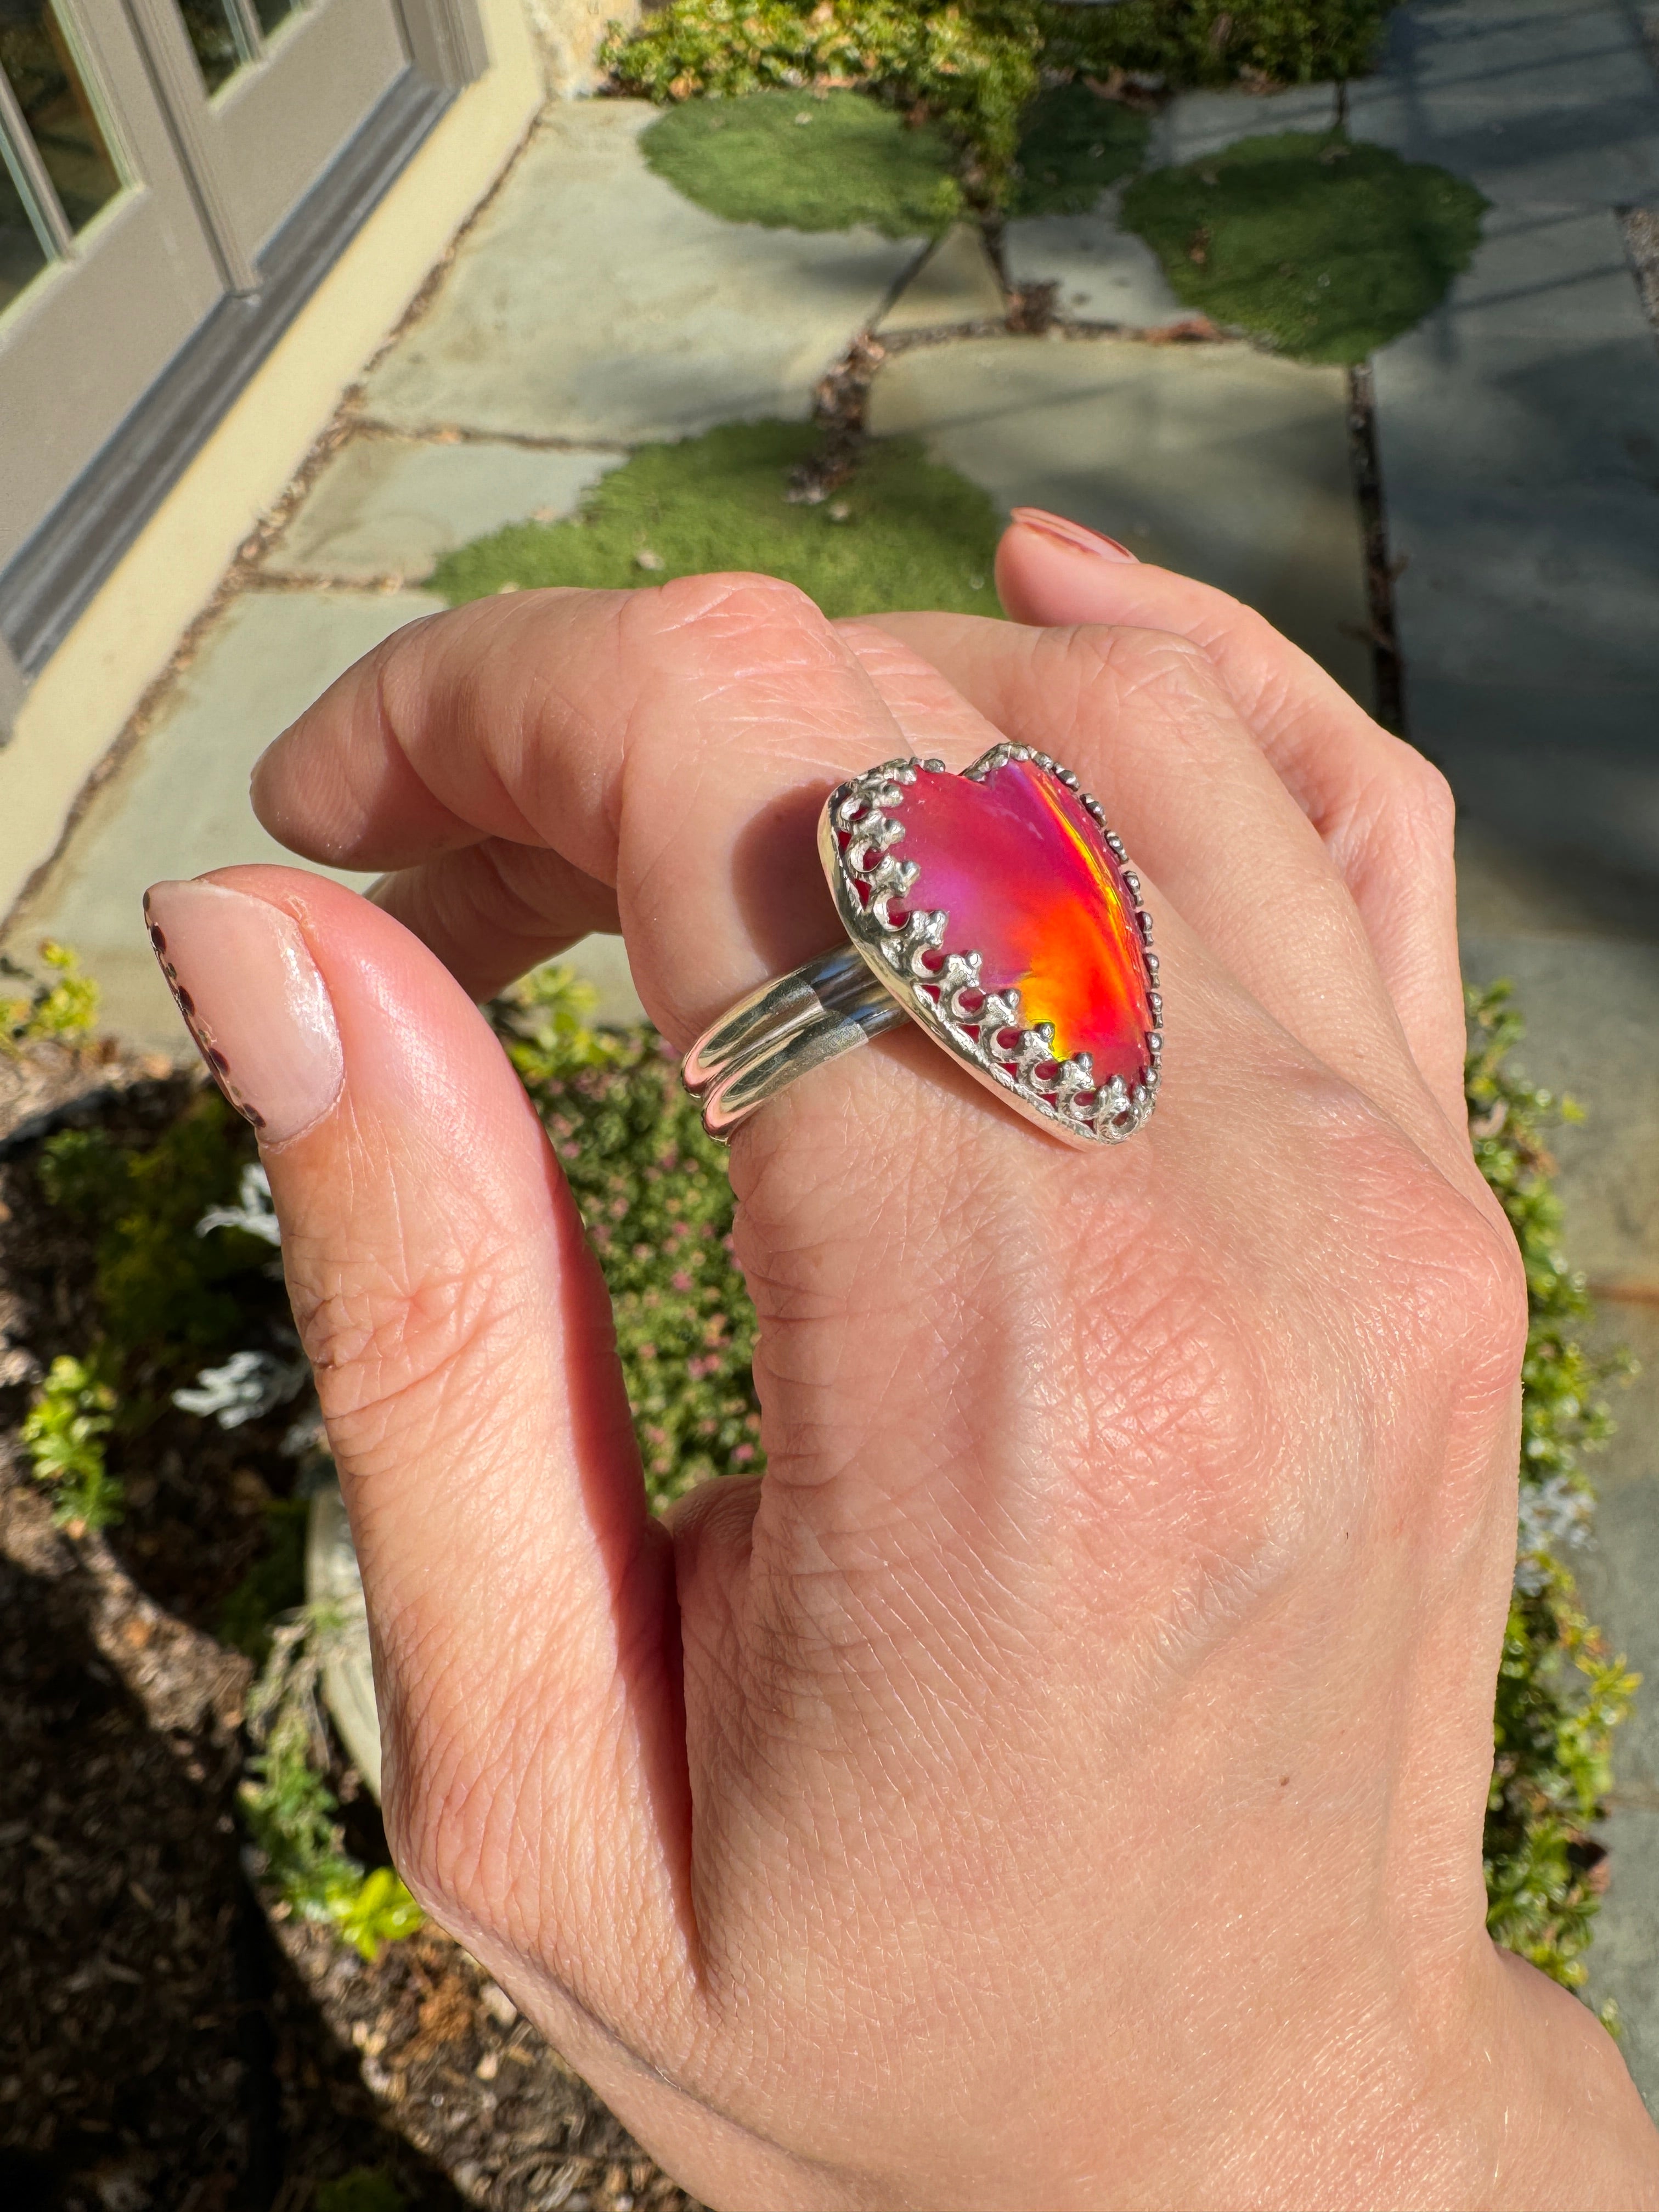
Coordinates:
(175, 2035)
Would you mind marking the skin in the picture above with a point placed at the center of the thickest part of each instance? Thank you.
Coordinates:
(1059, 1782)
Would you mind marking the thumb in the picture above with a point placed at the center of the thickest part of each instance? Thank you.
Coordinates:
(520, 1599)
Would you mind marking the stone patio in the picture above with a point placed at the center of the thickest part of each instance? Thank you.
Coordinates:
(1139, 440)
(591, 309)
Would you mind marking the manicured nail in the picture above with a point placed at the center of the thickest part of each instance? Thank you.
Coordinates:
(1071, 534)
(253, 1000)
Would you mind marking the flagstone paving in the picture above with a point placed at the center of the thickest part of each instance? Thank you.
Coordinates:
(392, 507)
(956, 283)
(1519, 424)
(1102, 274)
(177, 805)
(591, 301)
(1138, 441)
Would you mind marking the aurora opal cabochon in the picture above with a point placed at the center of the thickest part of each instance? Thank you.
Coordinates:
(1009, 868)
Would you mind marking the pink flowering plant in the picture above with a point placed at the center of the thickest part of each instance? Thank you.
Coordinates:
(654, 1196)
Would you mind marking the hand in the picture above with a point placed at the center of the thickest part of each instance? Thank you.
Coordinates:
(1059, 1782)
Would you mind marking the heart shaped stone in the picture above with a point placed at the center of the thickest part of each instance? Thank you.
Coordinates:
(998, 905)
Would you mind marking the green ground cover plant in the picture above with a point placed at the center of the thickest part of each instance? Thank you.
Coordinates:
(64, 1434)
(183, 1251)
(800, 161)
(1073, 145)
(977, 65)
(1561, 1692)
(61, 1006)
(1324, 247)
(291, 1813)
(904, 531)
(653, 1194)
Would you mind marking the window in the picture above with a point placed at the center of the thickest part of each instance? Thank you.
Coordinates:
(59, 169)
(25, 244)
(225, 34)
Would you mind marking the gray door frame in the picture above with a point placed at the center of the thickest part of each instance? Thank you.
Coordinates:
(79, 480)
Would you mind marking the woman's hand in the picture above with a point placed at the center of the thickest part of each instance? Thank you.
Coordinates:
(1059, 1782)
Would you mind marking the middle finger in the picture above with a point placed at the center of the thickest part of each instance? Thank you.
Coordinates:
(1144, 720)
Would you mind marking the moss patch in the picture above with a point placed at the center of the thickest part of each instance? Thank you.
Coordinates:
(797, 160)
(904, 531)
(1072, 144)
(1324, 247)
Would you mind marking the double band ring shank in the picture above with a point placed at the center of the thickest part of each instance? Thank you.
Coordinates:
(784, 1031)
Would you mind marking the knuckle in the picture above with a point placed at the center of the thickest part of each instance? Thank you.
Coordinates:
(1448, 1290)
(740, 604)
(381, 1338)
(1421, 800)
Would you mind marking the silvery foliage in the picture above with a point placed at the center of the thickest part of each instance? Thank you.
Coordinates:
(248, 1384)
(1555, 1516)
(253, 1211)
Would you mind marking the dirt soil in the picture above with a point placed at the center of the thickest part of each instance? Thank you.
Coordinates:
(170, 2041)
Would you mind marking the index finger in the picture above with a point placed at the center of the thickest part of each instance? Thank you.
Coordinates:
(673, 744)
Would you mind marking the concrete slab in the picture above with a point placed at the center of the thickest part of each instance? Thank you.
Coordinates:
(956, 283)
(1215, 460)
(591, 301)
(179, 804)
(394, 507)
(1105, 275)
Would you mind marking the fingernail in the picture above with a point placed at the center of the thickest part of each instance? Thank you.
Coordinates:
(253, 1000)
(1071, 534)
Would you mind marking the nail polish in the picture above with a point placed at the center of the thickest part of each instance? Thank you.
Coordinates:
(1073, 535)
(253, 1000)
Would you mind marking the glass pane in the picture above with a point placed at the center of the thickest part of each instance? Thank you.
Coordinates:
(37, 59)
(273, 12)
(23, 256)
(216, 34)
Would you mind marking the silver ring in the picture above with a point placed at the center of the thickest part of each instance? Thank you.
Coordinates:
(1056, 1006)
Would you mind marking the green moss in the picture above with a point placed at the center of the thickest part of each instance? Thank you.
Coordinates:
(1325, 248)
(1073, 145)
(797, 161)
(904, 531)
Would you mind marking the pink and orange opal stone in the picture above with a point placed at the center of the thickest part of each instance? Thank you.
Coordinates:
(1030, 882)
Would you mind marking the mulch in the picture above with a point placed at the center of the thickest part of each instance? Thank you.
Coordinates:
(171, 2041)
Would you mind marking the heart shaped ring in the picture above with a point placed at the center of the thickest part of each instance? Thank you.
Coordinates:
(997, 910)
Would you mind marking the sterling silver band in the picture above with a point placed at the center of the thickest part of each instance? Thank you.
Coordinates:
(800, 1022)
